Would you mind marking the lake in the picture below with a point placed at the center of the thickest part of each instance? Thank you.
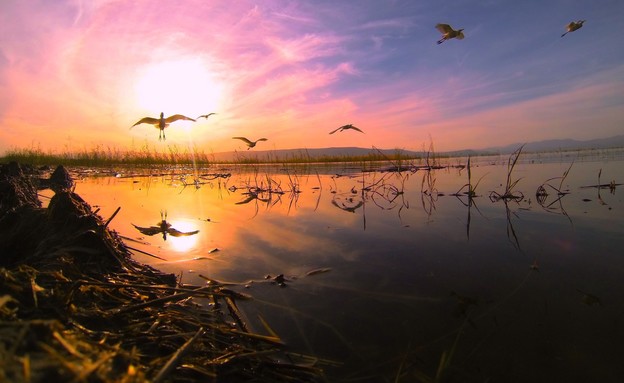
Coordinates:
(388, 276)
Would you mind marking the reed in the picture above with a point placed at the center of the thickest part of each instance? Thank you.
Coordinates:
(541, 194)
(472, 189)
(510, 193)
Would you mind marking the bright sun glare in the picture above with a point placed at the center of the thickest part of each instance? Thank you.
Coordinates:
(182, 86)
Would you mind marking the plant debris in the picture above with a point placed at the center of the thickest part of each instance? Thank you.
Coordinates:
(74, 305)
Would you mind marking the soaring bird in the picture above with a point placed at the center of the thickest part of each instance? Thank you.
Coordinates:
(249, 143)
(345, 127)
(449, 33)
(162, 122)
(205, 116)
(573, 26)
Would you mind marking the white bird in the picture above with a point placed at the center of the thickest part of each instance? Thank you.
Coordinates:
(345, 127)
(249, 143)
(205, 116)
(449, 33)
(162, 122)
(573, 26)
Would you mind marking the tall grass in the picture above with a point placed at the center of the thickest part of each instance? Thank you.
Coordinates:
(472, 188)
(101, 156)
(510, 193)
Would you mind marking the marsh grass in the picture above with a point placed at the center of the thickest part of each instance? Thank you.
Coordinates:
(103, 156)
(472, 189)
(431, 165)
(428, 191)
(541, 194)
(510, 193)
(471, 194)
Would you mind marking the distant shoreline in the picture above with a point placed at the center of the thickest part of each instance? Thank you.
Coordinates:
(360, 156)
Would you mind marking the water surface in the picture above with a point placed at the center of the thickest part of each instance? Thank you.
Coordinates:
(524, 289)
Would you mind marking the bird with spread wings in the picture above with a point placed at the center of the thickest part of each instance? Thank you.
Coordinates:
(248, 142)
(449, 33)
(346, 127)
(161, 123)
(205, 116)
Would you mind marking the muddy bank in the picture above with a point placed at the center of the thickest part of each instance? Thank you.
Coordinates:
(75, 306)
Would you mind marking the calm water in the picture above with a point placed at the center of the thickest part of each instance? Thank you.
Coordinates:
(510, 289)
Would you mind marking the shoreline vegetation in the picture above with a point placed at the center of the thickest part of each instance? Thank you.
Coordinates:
(75, 306)
(173, 155)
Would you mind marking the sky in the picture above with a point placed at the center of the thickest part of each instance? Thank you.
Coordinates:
(75, 75)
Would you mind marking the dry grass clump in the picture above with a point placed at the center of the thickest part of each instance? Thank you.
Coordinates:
(74, 306)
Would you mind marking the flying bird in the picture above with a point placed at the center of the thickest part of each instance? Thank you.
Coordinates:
(573, 26)
(449, 33)
(345, 127)
(205, 116)
(249, 143)
(162, 122)
(163, 227)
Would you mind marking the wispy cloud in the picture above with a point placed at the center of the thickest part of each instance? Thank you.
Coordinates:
(282, 68)
(575, 113)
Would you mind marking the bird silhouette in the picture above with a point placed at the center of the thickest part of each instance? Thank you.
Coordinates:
(248, 142)
(205, 116)
(162, 122)
(346, 127)
(449, 33)
(573, 26)
(163, 227)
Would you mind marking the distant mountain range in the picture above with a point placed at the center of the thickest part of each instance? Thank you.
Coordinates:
(565, 144)
(353, 152)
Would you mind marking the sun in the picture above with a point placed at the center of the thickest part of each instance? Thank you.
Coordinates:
(183, 86)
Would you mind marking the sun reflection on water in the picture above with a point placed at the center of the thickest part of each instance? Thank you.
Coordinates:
(183, 243)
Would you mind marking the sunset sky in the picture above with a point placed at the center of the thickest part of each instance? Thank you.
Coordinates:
(76, 75)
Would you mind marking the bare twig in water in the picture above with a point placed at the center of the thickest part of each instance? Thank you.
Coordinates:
(111, 217)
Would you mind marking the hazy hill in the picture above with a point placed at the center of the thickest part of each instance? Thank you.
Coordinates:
(351, 152)
(564, 144)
